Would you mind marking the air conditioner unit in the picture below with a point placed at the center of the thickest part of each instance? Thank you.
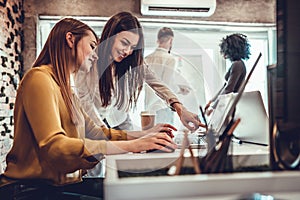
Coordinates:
(191, 8)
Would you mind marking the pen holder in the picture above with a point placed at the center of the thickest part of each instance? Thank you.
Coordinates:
(210, 139)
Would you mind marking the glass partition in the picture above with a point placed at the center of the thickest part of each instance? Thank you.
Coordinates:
(196, 48)
(200, 68)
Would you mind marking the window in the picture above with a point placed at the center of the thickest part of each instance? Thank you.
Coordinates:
(196, 47)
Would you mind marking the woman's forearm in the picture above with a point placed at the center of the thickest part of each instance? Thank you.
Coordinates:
(119, 147)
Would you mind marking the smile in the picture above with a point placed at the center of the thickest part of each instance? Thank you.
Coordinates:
(121, 55)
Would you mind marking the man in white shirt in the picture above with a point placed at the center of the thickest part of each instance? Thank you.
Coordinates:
(163, 64)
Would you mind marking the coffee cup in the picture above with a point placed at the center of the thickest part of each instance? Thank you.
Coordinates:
(147, 120)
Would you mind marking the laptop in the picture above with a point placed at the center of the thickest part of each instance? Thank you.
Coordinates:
(254, 124)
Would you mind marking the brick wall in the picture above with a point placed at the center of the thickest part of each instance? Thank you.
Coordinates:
(11, 46)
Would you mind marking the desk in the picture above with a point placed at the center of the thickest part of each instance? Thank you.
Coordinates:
(194, 186)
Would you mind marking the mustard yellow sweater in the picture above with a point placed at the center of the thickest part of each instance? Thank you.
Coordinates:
(46, 143)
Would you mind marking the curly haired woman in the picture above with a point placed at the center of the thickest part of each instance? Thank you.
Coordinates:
(236, 48)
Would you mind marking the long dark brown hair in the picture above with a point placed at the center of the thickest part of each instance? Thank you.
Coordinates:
(129, 73)
(57, 53)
